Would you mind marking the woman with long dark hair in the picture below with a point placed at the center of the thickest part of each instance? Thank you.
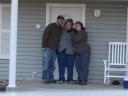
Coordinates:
(82, 53)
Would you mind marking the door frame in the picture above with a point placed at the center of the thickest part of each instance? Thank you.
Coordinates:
(50, 5)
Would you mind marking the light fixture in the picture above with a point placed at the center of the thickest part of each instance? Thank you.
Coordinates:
(38, 26)
(97, 13)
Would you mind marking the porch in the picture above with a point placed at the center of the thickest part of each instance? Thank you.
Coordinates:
(31, 85)
(26, 59)
(32, 88)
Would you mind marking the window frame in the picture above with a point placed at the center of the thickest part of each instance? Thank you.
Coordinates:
(1, 30)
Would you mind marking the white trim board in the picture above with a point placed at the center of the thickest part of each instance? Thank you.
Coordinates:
(50, 5)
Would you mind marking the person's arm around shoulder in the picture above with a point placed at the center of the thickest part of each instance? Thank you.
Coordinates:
(77, 37)
(73, 35)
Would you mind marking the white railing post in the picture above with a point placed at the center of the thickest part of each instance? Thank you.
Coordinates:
(13, 43)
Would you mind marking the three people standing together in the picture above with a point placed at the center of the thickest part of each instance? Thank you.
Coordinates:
(69, 44)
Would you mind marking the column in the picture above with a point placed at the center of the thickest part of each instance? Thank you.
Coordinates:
(13, 43)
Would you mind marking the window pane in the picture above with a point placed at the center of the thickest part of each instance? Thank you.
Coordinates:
(5, 43)
(6, 17)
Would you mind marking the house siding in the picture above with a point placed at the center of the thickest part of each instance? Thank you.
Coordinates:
(29, 53)
(111, 26)
(4, 65)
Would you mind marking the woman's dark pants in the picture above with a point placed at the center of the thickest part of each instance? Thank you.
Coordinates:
(65, 61)
(82, 65)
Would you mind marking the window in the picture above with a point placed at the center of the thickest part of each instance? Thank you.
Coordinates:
(5, 20)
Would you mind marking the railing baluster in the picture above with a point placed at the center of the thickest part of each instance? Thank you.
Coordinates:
(123, 53)
(109, 54)
(115, 54)
(118, 53)
(112, 53)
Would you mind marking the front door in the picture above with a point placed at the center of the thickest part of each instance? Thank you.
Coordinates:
(73, 11)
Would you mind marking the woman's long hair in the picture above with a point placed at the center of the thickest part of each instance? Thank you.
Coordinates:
(81, 24)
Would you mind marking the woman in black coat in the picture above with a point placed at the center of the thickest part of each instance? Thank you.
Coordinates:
(82, 53)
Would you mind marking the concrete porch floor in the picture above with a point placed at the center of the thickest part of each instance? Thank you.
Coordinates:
(36, 88)
(39, 86)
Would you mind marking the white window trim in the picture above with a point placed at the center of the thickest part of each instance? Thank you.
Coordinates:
(3, 5)
(50, 5)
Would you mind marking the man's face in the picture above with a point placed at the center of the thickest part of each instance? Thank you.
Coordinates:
(60, 21)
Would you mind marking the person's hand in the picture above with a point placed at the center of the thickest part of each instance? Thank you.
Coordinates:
(44, 49)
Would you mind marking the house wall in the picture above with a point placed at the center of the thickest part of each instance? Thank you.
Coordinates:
(29, 53)
(111, 26)
(4, 63)
(4, 69)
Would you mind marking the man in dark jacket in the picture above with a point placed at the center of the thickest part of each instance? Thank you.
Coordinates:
(50, 43)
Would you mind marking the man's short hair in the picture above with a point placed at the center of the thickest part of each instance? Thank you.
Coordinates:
(70, 21)
(61, 17)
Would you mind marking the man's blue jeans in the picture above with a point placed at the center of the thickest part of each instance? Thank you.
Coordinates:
(65, 61)
(82, 65)
(49, 57)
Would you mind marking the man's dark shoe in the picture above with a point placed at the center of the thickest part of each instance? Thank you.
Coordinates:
(83, 83)
(46, 82)
(52, 81)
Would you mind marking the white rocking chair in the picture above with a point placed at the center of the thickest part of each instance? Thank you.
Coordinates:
(116, 61)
